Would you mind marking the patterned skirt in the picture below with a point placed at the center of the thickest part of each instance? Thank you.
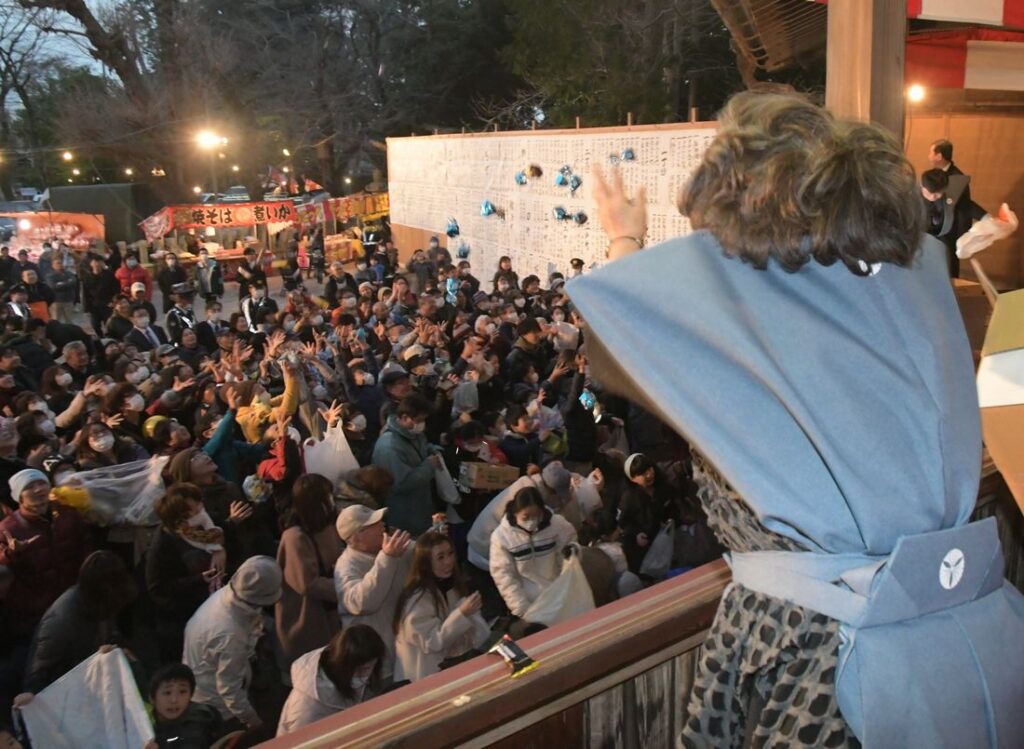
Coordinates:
(766, 676)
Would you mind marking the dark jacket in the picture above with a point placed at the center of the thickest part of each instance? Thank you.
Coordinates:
(139, 339)
(99, 289)
(334, 287)
(196, 728)
(521, 451)
(67, 635)
(174, 580)
(46, 567)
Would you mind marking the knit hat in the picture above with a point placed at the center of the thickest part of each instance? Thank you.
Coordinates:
(557, 477)
(23, 478)
(354, 518)
(257, 582)
(479, 297)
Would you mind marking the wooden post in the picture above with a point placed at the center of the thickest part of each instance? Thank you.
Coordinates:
(629, 119)
(577, 122)
(866, 54)
(495, 127)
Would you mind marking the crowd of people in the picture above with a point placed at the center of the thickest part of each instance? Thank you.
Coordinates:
(263, 576)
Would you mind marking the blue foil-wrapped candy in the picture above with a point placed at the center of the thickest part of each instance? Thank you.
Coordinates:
(560, 214)
(453, 228)
(463, 251)
(574, 183)
(580, 218)
(629, 155)
(521, 178)
(561, 180)
(487, 208)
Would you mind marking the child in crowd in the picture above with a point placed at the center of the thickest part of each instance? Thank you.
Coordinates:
(178, 722)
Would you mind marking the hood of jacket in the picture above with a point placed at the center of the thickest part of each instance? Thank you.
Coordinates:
(311, 682)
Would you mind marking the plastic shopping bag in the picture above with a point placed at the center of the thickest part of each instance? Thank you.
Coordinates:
(568, 596)
(331, 457)
(446, 488)
(119, 494)
(658, 559)
(94, 704)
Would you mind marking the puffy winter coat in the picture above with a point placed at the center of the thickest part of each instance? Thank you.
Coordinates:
(313, 695)
(404, 454)
(524, 564)
(426, 637)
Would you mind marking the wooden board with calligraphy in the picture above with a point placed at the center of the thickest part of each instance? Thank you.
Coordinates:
(432, 178)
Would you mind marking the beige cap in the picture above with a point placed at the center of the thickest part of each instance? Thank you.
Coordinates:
(354, 518)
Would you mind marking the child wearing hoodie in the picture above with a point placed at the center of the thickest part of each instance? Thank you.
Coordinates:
(334, 678)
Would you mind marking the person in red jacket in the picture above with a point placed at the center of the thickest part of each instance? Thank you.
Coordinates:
(132, 272)
(44, 546)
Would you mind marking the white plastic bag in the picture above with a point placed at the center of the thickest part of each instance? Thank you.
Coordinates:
(568, 596)
(446, 486)
(123, 493)
(986, 232)
(658, 559)
(94, 704)
(331, 457)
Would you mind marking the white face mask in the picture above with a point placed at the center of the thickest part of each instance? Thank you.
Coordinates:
(519, 302)
(369, 379)
(131, 262)
(358, 423)
(419, 428)
(139, 375)
(502, 287)
(62, 380)
(530, 526)
(491, 328)
(135, 403)
(47, 427)
(320, 392)
(289, 325)
(359, 683)
(201, 519)
(142, 322)
(264, 398)
(102, 443)
(350, 302)
(317, 321)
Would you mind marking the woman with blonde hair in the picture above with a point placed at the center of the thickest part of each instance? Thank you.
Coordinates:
(821, 369)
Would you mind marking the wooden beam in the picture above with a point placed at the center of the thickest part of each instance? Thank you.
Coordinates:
(865, 59)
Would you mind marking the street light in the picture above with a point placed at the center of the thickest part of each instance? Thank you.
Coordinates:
(76, 172)
(348, 180)
(24, 224)
(234, 167)
(208, 141)
(67, 156)
(286, 152)
(285, 170)
(129, 171)
(197, 189)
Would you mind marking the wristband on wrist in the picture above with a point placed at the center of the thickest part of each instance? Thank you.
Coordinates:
(637, 240)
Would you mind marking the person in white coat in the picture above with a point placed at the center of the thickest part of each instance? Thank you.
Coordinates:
(221, 637)
(437, 618)
(330, 679)
(526, 549)
(369, 574)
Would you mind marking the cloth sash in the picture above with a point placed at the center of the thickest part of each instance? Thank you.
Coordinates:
(923, 635)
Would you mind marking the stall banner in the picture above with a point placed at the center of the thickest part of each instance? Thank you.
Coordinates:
(343, 208)
(219, 215)
(76, 230)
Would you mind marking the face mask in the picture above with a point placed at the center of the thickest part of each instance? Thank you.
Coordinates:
(171, 262)
(139, 375)
(360, 266)
(214, 317)
(204, 258)
(358, 423)
(519, 303)
(472, 448)
(201, 519)
(491, 328)
(350, 302)
(259, 294)
(264, 398)
(317, 321)
(530, 526)
(369, 379)
(512, 317)
(62, 380)
(558, 316)
(502, 287)
(419, 428)
(47, 427)
(131, 262)
(135, 403)
(320, 392)
(289, 325)
(143, 322)
(359, 682)
(101, 444)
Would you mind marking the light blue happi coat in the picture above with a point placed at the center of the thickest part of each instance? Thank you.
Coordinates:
(843, 409)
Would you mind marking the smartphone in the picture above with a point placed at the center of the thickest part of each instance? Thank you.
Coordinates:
(588, 400)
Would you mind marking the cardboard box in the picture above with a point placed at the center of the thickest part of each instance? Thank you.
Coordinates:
(486, 476)
(1001, 390)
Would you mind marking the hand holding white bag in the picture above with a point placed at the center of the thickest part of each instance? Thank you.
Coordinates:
(331, 457)
(568, 596)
